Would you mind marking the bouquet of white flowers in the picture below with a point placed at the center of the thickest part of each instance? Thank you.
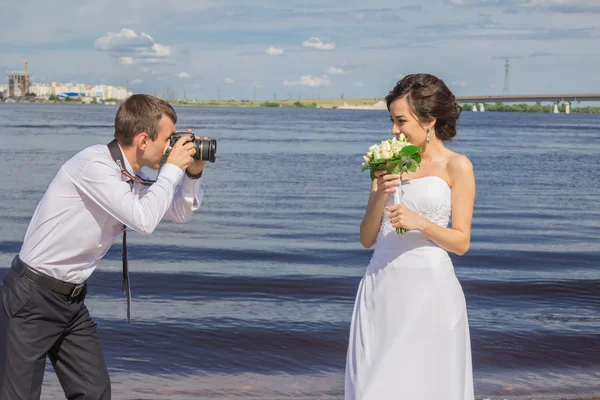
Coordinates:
(395, 156)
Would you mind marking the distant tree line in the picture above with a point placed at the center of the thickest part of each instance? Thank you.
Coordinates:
(282, 104)
(296, 104)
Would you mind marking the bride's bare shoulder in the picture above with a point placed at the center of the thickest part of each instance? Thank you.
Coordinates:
(459, 165)
(459, 161)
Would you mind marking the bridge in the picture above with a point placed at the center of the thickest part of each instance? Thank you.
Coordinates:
(529, 98)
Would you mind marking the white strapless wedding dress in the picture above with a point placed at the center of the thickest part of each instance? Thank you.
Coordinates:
(409, 337)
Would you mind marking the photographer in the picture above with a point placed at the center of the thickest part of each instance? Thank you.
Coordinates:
(90, 201)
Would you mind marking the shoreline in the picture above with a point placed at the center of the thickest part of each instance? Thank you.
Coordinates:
(377, 104)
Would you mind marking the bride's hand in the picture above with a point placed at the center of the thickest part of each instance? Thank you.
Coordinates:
(403, 217)
(386, 183)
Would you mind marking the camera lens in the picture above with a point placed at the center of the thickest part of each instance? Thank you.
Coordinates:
(206, 149)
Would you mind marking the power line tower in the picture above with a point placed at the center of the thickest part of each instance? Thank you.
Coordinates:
(506, 91)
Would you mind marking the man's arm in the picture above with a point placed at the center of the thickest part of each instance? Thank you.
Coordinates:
(100, 180)
(186, 200)
(189, 197)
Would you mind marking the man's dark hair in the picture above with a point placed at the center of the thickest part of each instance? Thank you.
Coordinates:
(141, 113)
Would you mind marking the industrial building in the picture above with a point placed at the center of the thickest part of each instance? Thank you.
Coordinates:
(18, 82)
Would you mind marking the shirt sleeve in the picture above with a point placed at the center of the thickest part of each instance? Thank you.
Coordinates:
(185, 201)
(101, 181)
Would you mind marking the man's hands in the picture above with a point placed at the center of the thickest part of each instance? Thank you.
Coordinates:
(182, 155)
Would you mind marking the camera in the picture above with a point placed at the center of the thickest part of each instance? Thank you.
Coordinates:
(206, 149)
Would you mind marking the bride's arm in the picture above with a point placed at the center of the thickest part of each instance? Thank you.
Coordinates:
(380, 189)
(457, 238)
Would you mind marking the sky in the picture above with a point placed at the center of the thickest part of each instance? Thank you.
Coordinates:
(267, 49)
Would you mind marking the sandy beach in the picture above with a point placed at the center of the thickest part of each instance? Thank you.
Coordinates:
(130, 386)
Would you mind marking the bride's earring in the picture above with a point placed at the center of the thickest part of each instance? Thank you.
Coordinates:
(428, 138)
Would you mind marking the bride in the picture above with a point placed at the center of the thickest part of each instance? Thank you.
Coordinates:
(409, 336)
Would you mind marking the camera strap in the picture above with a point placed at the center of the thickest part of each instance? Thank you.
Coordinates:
(165, 155)
(117, 156)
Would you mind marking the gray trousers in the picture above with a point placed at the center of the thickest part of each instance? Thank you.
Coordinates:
(36, 322)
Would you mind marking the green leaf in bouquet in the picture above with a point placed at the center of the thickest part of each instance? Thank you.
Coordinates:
(373, 167)
(416, 159)
(409, 150)
(390, 166)
(378, 167)
(379, 161)
(397, 169)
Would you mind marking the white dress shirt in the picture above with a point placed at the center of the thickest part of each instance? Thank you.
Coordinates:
(86, 205)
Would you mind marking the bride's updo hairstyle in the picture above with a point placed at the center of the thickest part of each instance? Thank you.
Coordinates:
(429, 98)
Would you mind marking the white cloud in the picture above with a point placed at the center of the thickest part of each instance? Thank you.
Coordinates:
(359, 84)
(126, 39)
(136, 81)
(183, 75)
(274, 51)
(335, 70)
(157, 50)
(310, 81)
(132, 49)
(228, 80)
(319, 44)
(126, 60)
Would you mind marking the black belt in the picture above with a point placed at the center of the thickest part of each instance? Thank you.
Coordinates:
(45, 281)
